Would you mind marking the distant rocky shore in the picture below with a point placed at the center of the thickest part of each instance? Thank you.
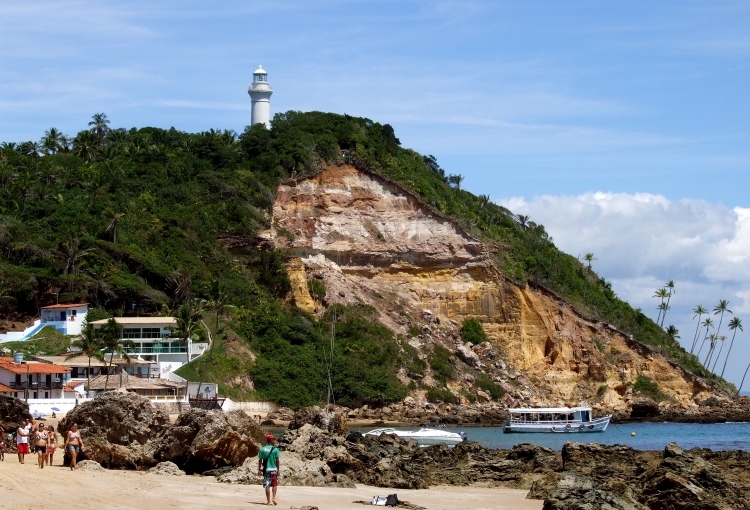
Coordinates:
(411, 412)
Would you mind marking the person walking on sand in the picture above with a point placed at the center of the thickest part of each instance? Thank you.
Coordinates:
(73, 444)
(2, 444)
(22, 440)
(269, 465)
(40, 445)
(51, 444)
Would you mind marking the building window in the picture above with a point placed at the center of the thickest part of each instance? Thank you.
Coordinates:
(151, 333)
(131, 333)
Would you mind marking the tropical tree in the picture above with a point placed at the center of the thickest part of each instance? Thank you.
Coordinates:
(71, 253)
(699, 310)
(85, 144)
(708, 323)
(89, 344)
(661, 294)
(589, 257)
(456, 180)
(723, 340)
(523, 220)
(111, 334)
(50, 143)
(663, 307)
(734, 325)
(188, 327)
(722, 307)
(99, 125)
(673, 335)
(114, 218)
(669, 285)
(743, 379)
(713, 338)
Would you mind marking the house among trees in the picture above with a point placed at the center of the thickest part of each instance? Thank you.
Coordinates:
(66, 318)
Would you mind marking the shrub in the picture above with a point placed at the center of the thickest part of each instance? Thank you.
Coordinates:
(440, 364)
(473, 332)
(414, 331)
(437, 395)
(601, 390)
(317, 289)
(648, 388)
(486, 384)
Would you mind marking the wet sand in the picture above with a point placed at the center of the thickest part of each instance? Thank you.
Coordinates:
(54, 487)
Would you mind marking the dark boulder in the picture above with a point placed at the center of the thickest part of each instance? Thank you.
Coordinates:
(12, 412)
(116, 428)
(645, 408)
(203, 440)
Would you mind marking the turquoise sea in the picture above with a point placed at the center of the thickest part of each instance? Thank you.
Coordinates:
(648, 436)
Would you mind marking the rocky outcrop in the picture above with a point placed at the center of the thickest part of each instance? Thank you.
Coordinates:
(201, 440)
(333, 421)
(12, 412)
(166, 469)
(369, 240)
(89, 465)
(116, 429)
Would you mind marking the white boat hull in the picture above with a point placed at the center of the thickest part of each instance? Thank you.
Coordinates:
(559, 427)
(425, 437)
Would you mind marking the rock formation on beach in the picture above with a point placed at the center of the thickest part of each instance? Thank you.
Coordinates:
(12, 412)
(126, 431)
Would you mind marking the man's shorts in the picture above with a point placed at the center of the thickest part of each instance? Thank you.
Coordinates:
(23, 447)
(270, 479)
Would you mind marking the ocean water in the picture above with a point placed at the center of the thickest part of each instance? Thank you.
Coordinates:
(648, 436)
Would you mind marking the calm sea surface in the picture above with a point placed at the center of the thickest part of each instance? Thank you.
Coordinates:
(649, 436)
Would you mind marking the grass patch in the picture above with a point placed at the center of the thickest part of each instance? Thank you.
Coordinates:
(438, 395)
(484, 383)
(473, 332)
(442, 370)
(47, 342)
(415, 331)
(647, 387)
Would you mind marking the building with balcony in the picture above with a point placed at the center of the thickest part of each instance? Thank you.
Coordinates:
(66, 318)
(35, 380)
(150, 339)
(79, 367)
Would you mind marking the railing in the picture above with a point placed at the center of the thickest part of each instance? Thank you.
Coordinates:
(145, 376)
(166, 398)
(35, 385)
(156, 350)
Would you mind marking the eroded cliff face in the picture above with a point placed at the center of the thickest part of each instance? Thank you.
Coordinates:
(369, 240)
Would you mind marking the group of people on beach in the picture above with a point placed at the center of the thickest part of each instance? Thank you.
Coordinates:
(33, 437)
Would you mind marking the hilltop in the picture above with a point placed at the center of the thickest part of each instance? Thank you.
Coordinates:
(324, 220)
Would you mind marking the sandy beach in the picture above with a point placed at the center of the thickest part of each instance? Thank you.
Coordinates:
(26, 486)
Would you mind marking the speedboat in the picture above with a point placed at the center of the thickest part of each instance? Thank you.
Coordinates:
(426, 435)
(554, 419)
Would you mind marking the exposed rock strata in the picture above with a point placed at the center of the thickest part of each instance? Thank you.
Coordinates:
(369, 239)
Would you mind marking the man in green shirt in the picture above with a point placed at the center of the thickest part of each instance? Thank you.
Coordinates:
(269, 465)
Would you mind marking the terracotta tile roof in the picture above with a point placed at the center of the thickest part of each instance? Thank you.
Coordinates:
(5, 389)
(31, 367)
(64, 306)
(132, 383)
(71, 387)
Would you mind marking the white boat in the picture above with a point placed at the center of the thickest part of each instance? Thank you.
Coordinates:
(425, 436)
(554, 419)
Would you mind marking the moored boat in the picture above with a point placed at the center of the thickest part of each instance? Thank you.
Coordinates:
(554, 419)
(425, 436)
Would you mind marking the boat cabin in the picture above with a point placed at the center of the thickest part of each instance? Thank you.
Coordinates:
(554, 419)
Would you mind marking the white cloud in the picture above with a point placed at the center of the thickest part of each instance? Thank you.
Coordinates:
(642, 240)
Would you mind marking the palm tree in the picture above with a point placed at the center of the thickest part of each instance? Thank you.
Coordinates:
(734, 325)
(670, 286)
(188, 327)
(662, 294)
(721, 308)
(713, 338)
(723, 339)
(114, 219)
(708, 323)
(71, 254)
(699, 310)
(523, 221)
(663, 307)
(84, 145)
(589, 257)
(456, 180)
(111, 333)
(90, 345)
(51, 141)
(743, 379)
(673, 335)
(99, 125)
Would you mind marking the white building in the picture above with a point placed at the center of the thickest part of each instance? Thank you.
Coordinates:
(260, 94)
(152, 341)
(34, 380)
(66, 319)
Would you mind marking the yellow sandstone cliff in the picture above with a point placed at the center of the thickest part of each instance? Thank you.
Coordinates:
(369, 240)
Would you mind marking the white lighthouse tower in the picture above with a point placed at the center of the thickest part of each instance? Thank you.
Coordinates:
(260, 94)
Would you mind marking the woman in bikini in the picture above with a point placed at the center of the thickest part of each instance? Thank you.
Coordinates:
(73, 444)
(51, 443)
(40, 445)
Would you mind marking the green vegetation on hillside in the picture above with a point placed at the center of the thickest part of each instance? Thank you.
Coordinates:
(130, 220)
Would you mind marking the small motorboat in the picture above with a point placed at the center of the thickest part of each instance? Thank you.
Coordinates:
(427, 435)
(554, 419)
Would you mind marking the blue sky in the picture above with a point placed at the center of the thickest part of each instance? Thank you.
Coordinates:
(539, 104)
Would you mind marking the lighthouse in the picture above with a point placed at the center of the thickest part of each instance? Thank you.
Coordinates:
(260, 94)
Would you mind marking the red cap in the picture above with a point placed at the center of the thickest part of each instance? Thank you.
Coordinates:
(270, 436)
